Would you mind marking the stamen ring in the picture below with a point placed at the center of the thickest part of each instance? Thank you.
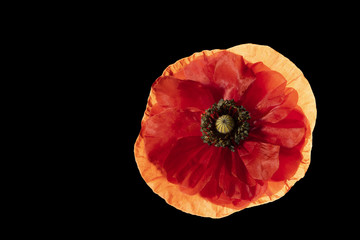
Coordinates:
(225, 124)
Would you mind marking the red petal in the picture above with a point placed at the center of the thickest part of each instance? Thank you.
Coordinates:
(197, 167)
(211, 190)
(224, 72)
(174, 93)
(161, 131)
(282, 111)
(203, 171)
(264, 93)
(287, 133)
(258, 67)
(289, 161)
(184, 155)
(191, 164)
(261, 159)
(230, 183)
(286, 137)
(239, 170)
(232, 75)
(200, 68)
(236, 188)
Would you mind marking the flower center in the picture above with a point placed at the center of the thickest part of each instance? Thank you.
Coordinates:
(225, 124)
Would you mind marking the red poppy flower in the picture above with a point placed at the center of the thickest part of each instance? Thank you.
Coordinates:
(225, 130)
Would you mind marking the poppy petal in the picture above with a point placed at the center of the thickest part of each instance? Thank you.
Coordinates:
(288, 132)
(198, 67)
(283, 136)
(191, 163)
(227, 188)
(264, 93)
(261, 159)
(183, 156)
(280, 112)
(171, 92)
(225, 73)
(230, 184)
(161, 131)
(258, 67)
(197, 167)
(232, 74)
(239, 190)
(289, 161)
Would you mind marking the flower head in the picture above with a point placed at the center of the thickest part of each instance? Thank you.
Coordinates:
(226, 129)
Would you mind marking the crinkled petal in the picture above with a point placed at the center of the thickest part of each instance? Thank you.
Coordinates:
(266, 92)
(198, 67)
(231, 185)
(288, 132)
(261, 159)
(190, 164)
(171, 92)
(283, 136)
(281, 111)
(258, 67)
(225, 73)
(289, 161)
(161, 131)
(232, 75)
(217, 174)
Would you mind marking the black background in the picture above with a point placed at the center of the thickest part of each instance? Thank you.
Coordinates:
(98, 65)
